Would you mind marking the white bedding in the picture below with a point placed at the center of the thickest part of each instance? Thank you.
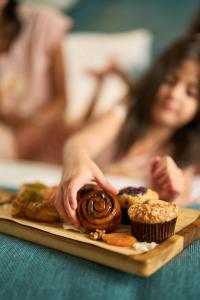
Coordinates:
(14, 173)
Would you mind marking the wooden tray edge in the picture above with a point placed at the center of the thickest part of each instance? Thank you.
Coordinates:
(142, 264)
(103, 256)
(163, 253)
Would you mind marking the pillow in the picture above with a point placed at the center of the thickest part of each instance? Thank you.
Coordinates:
(85, 51)
(56, 3)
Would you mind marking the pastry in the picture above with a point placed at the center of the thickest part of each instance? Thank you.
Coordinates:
(5, 196)
(98, 209)
(130, 195)
(153, 220)
(33, 202)
(86, 189)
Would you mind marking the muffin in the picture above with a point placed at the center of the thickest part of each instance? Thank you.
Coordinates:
(153, 220)
(130, 195)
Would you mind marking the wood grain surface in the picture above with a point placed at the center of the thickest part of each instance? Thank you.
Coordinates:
(124, 259)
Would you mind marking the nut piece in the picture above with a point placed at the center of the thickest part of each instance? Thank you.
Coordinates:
(97, 234)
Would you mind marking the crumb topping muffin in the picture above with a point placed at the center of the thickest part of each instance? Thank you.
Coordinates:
(153, 211)
(153, 220)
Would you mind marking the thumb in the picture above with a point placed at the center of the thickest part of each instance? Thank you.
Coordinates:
(154, 164)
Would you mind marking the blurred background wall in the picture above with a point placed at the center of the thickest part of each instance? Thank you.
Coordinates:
(166, 19)
(119, 21)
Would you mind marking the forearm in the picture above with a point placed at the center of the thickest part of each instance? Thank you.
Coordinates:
(75, 152)
(48, 114)
(97, 136)
(12, 120)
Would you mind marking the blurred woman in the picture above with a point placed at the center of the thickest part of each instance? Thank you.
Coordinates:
(32, 93)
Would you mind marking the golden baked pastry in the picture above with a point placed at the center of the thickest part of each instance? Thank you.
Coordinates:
(5, 196)
(33, 201)
(130, 195)
(86, 189)
(98, 209)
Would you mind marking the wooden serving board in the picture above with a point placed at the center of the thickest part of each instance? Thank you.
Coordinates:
(124, 259)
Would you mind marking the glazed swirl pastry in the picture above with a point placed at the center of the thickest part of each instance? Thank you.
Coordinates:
(98, 209)
(86, 189)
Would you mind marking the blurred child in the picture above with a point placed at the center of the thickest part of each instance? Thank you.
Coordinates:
(157, 133)
(194, 26)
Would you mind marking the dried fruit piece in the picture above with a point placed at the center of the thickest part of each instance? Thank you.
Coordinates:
(121, 239)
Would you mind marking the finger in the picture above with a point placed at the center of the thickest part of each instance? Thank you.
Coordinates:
(53, 198)
(164, 193)
(175, 188)
(154, 164)
(169, 193)
(73, 189)
(104, 184)
(58, 203)
(162, 180)
(71, 213)
(160, 171)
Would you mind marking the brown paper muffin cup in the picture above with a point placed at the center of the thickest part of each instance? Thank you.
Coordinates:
(125, 218)
(158, 232)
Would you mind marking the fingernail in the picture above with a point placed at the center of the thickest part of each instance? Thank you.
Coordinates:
(113, 191)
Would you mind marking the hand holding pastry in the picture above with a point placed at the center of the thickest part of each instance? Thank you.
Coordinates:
(78, 171)
(166, 178)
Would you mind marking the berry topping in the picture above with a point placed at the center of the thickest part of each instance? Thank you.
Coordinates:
(134, 191)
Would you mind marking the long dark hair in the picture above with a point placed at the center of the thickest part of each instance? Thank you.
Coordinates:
(194, 26)
(186, 140)
(11, 17)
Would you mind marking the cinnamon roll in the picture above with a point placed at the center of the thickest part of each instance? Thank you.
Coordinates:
(86, 189)
(98, 209)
